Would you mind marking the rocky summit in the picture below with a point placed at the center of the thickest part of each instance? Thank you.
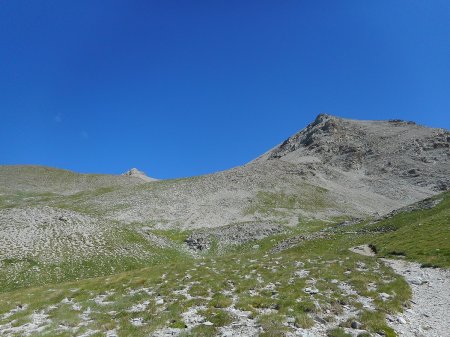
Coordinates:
(331, 233)
(134, 172)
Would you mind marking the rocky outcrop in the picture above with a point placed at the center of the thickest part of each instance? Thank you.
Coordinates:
(392, 149)
(134, 172)
(201, 240)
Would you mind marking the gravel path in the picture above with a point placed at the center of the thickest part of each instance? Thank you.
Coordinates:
(429, 314)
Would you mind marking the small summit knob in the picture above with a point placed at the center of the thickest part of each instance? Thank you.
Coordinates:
(134, 172)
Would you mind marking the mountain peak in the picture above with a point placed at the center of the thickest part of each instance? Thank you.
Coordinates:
(324, 116)
(323, 128)
(134, 172)
(395, 147)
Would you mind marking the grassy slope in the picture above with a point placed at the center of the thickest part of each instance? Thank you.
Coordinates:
(422, 235)
(247, 274)
(244, 271)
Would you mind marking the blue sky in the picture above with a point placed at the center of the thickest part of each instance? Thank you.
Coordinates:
(181, 88)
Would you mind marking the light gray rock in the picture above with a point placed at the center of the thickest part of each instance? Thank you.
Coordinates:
(385, 296)
(135, 173)
(311, 290)
(430, 304)
(401, 320)
(417, 281)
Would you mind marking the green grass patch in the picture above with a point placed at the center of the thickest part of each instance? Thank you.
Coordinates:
(422, 236)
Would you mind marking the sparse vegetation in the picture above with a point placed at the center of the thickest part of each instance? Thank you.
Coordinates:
(269, 287)
(96, 255)
(309, 197)
(337, 332)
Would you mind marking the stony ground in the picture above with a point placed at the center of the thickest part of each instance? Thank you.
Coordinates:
(302, 281)
(427, 311)
(428, 314)
(49, 233)
(301, 292)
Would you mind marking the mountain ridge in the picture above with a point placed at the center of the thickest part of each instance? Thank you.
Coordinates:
(331, 168)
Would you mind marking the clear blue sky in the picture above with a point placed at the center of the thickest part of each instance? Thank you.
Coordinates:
(180, 88)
